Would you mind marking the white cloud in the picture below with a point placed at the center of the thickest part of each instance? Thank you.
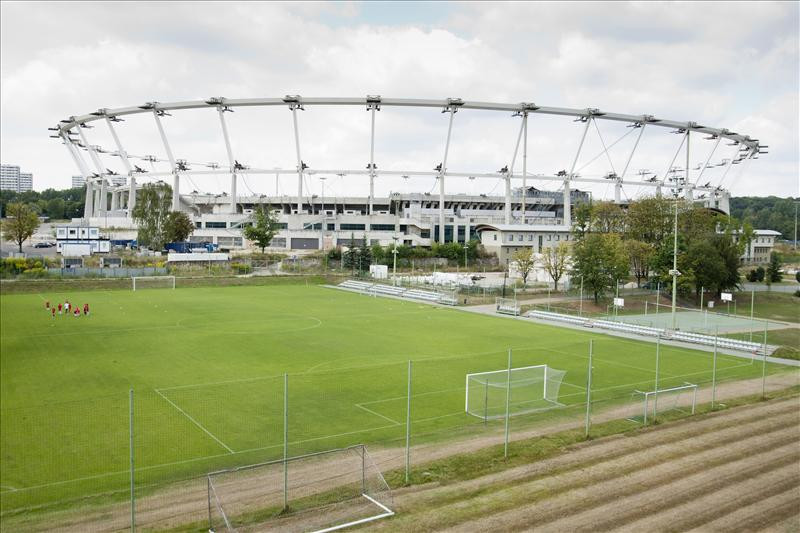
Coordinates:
(722, 64)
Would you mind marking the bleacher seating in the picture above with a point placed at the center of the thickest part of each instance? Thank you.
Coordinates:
(402, 292)
(547, 315)
(357, 285)
(387, 289)
(684, 336)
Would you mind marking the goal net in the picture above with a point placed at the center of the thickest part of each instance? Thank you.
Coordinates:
(153, 282)
(647, 405)
(319, 492)
(507, 306)
(527, 390)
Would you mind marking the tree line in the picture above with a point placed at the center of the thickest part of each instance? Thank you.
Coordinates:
(51, 203)
(768, 212)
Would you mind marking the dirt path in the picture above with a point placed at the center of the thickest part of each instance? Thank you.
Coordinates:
(731, 470)
(183, 503)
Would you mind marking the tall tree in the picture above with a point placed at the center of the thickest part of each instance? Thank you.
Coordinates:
(640, 253)
(582, 220)
(555, 261)
(601, 261)
(178, 226)
(607, 217)
(524, 262)
(263, 229)
(774, 269)
(649, 220)
(153, 202)
(20, 223)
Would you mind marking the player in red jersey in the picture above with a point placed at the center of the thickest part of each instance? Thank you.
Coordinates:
(59, 308)
(53, 311)
(77, 311)
(86, 309)
(47, 304)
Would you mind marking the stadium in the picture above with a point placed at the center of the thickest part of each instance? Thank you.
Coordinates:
(312, 221)
(325, 400)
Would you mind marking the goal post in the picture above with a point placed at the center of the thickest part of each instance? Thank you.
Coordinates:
(152, 282)
(325, 491)
(531, 389)
(647, 405)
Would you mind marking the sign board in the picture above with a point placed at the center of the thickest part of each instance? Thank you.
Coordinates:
(711, 304)
(619, 302)
(727, 297)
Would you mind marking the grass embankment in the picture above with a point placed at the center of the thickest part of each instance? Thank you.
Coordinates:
(788, 339)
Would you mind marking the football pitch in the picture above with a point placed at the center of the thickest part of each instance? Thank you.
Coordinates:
(209, 367)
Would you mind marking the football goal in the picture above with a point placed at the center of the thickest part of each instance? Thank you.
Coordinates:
(320, 492)
(153, 282)
(507, 306)
(526, 389)
(647, 405)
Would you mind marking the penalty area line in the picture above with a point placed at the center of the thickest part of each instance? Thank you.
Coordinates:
(395, 422)
(195, 422)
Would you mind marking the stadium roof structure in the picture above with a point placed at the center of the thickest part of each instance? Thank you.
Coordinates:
(71, 131)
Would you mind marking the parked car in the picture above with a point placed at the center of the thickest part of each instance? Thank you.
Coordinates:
(42, 245)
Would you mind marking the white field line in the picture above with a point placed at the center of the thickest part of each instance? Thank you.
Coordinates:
(195, 422)
(395, 422)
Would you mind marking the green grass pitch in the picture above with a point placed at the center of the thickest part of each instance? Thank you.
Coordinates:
(206, 366)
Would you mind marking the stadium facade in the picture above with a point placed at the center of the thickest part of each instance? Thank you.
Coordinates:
(323, 222)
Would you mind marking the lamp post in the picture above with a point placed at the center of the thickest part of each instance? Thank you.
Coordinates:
(674, 272)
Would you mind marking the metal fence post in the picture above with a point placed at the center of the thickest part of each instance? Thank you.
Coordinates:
(485, 401)
(764, 364)
(208, 494)
(589, 392)
(131, 442)
(285, 441)
(714, 371)
(508, 399)
(408, 424)
(655, 399)
(752, 301)
(363, 469)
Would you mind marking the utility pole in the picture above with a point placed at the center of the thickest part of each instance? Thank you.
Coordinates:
(674, 272)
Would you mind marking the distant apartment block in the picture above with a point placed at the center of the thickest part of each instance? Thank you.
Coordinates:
(11, 179)
(78, 181)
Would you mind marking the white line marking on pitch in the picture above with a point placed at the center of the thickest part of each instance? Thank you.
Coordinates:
(378, 414)
(195, 422)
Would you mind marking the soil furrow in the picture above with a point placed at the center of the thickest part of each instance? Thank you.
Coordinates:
(585, 454)
(774, 473)
(568, 510)
(770, 509)
(490, 500)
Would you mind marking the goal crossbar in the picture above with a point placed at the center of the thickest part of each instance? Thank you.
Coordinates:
(536, 388)
(673, 392)
(169, 279)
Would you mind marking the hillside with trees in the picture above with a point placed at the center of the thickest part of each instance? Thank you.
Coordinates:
(768, 212)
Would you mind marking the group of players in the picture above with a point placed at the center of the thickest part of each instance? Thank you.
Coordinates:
(67, 308)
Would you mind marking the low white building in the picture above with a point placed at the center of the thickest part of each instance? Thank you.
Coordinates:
(760, 249)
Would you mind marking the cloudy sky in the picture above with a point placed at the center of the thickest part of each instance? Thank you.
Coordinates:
(732, 65)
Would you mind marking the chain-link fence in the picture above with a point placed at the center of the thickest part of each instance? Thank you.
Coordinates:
(143, 457)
